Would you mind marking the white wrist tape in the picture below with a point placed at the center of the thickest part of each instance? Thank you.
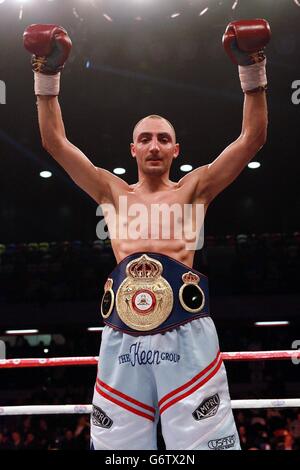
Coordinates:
(253, 76)
(46, 84)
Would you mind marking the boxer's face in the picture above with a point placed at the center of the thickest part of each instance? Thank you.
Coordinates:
(154, 146)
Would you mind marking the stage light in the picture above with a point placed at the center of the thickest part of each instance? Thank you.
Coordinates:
(253, 165)
(203, 12)
(271, 323)
(95, 328)
(21, 332)
(186, 168)
(119, 171)
(45, 174)
(107, 17)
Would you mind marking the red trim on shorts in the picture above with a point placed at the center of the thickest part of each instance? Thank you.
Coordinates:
(190, 382)
(123, 405)
(196, 387)
(125, 397)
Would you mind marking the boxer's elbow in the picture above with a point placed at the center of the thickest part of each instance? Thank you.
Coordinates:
(256, 140)
(260, 139)
(262, 135)
(45, 144)
(52, 145)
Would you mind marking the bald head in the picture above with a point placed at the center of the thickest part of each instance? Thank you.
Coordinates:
(153, 117)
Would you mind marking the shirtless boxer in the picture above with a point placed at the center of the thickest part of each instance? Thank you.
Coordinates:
(159, 354)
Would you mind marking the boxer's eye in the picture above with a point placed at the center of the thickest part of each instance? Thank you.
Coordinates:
(164, 138)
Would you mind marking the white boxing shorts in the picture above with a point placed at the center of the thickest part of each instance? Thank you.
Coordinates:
(178, 376)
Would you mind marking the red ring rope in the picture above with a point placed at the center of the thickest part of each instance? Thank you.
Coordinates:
(92, 360)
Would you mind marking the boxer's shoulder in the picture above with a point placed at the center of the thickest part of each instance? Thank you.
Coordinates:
(114, 185)
(196, 182)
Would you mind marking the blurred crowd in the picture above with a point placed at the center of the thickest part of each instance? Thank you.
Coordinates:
(45, 433)
(52, 271)
(270, 429)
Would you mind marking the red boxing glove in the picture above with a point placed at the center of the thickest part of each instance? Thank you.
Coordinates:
(244, 41)
(50, 46)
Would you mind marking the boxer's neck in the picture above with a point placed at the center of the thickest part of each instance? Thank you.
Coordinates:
(152, 184)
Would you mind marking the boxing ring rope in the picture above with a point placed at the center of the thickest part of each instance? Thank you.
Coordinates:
(93, 360)
(87, 409)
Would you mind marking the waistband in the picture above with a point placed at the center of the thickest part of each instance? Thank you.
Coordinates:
(149, 293)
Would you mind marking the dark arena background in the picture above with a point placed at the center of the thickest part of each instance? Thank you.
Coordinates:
(132, 58)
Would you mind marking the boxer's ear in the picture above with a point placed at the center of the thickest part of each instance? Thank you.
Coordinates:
(176, 151)
(132, 150)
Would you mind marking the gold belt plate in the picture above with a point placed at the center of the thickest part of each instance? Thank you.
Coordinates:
(144, 300)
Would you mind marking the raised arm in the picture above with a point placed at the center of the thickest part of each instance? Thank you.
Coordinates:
(244, 42)
(229, 164)
(50, 46)
(94, 181)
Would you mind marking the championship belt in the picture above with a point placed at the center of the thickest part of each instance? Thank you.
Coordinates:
(148, 293)
(144, 299)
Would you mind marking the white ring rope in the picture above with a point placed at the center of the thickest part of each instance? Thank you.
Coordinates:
(87, 409)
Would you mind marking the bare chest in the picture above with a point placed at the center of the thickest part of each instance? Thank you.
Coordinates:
(166, 216)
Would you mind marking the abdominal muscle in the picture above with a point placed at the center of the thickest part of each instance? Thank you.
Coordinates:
(132, 234)
(175, 249)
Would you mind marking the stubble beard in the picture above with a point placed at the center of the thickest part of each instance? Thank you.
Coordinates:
(155, 171)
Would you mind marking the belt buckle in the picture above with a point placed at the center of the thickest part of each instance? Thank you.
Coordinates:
(144, 300)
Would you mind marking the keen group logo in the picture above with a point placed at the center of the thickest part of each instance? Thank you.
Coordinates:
(207, 408)
(222, 443)
(100, 418)
(2, 92)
